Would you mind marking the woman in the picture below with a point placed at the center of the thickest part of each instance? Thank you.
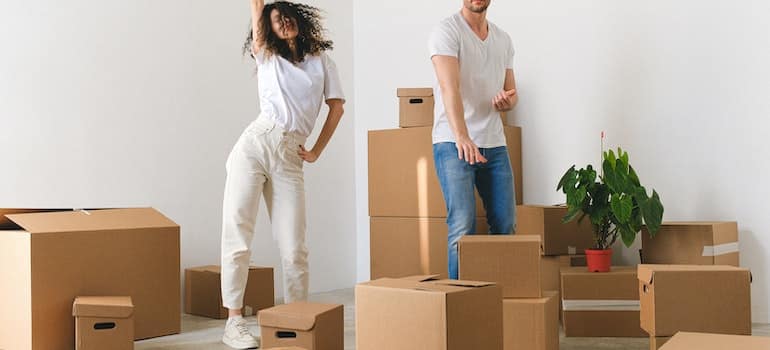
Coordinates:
(294, 76)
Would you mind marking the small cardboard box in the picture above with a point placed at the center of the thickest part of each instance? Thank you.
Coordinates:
(402, 247)
(692, 243)
(311, 326)
(203, 291)
(558, 238)
(428, 315)
(402, 174)
(511, 261)
(415, 107)
(657, 342)
(691, 298)
(103, 323)
(531, 324)
(600, 304)
(700, 341)
(52, 257)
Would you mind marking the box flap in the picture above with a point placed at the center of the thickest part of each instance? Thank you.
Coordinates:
(646, 272)
(91, 220)
(6, 224)
(103, 307)
(297, 316)
(702, 341)
(414, 92)
(460, 283)
(421, 278)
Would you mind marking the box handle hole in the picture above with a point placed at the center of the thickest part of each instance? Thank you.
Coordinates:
(104, 325)
(285, 335)
(415, 100)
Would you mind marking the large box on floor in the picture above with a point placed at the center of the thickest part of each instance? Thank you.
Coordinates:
(311, 326)
(103, 323)
(531, 324)
(550, 271)
(203, 291)
(415, 107)
(400, 247)
(54, 257)
(402, 175)
(429, 315)
(690, 298)
(692, 243)
(558, 238)
(600, 304)
(701, 341)
(511, 261)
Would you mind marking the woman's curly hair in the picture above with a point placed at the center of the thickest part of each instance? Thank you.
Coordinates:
(310, 37)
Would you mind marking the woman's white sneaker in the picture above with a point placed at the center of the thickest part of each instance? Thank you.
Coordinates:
(238, 336)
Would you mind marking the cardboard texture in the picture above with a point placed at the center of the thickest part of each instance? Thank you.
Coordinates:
(57, 256)
(690, 298)
(402, 175)
(103, 323)
(410, 246)
(657, 342)
(700, 341)
(431, 315)
(558, 238)
(415, 107)
(203, 291)
(311, 326)
(550, 272)
(531, 324)
(287, 348)
(600, 304)
(511, 261)
(692, 243)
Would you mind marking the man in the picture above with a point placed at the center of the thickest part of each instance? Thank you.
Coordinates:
(473, 60)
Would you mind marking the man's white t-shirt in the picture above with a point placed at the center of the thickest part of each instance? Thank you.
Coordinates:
(482, 76)
(292, 94)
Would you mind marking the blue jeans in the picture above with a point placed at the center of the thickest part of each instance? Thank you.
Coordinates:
(494, 182)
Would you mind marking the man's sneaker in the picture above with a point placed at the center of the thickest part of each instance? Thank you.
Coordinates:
(238, 336)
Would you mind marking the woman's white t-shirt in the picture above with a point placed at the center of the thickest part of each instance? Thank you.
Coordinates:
(482, 76)
(291, 94)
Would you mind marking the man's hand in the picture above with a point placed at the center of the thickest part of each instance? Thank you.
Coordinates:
(468, 151)
(308, 156)
(504, 101)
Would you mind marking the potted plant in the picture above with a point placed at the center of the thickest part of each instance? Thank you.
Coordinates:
(615, 202)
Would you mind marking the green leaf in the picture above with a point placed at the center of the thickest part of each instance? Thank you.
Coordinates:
(570, 173)
(628, 235)
(609, 156)
(621, 208)
(572, 213)
(653, 213)
(633, 177)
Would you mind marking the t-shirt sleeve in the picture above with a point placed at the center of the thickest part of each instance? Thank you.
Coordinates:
(332, 83)
(511, 53)
(444, 41)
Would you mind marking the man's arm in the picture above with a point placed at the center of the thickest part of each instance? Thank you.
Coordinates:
(507, 98)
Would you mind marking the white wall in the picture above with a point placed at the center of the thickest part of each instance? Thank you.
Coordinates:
(114, 103)
(682, 85)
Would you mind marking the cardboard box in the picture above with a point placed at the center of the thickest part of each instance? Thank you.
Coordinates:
(203, 291)
(657, 342)
(402, 175)
(311, 326)
(690, 298)
(700, 341)
(531, 324)
(287, 348)
(415, 107)
(600, 304)
(54, 257)
(400, 247)
(511, 261)
(429, 315)
(558, 238)
(103, 323)
(550, 272)
(692, 243)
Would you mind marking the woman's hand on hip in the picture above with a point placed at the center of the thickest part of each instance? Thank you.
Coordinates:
(308, 156)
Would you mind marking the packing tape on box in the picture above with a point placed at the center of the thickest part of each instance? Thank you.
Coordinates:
(571, 250)
(721, 249)
(600, 305)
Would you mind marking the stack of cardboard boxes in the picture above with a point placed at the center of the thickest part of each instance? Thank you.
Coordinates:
(704, 272)
(406, 206)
